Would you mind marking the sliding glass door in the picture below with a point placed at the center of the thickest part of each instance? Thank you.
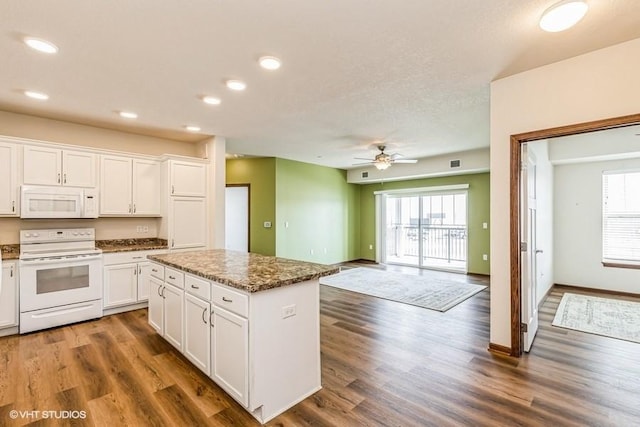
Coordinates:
(426, 230)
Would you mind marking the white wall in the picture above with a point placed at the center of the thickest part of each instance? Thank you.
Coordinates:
(598, 85)
(578, 232)
(544, 215)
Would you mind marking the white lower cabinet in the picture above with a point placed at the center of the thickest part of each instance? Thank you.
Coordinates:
(230, 353)
(9, 295)
(126, 278)
(166, 307)
(197, 338)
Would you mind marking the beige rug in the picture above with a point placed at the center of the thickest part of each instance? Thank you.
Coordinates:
(612, 318)
(423, 291)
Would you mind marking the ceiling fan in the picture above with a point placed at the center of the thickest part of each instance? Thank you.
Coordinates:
(383, 160)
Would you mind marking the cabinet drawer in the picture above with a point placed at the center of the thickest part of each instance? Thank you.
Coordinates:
(157, 271)
(128, 257)
(174, 277)
(198, 287)
(231, 300)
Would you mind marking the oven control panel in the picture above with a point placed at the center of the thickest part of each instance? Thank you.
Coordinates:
(57, 235)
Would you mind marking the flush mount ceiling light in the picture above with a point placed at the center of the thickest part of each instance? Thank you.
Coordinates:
(563, 15)
(211, 100)
(36, 95)
(128, 115)
(269, 62)
(236, 85)
(192, 128)
(40, 45)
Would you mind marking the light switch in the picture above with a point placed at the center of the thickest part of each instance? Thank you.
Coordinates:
(267, 224)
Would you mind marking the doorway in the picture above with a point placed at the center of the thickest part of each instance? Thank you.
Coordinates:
(236, 225)
(518, 286)
(426, 230)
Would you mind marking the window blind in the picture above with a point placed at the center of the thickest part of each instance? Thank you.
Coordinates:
(621, 216)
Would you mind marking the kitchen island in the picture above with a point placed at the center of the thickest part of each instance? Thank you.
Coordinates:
(250, 322)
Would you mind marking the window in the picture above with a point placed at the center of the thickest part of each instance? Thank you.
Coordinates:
(621, 217)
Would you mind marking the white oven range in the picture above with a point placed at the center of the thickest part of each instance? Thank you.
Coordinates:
(60, 278)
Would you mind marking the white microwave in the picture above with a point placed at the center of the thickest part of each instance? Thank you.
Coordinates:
(39, 201)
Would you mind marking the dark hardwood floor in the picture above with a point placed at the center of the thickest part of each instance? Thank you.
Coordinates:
(383, 363)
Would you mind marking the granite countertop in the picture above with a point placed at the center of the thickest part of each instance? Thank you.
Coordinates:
(129, 245)
(10, 252)
(242, 270)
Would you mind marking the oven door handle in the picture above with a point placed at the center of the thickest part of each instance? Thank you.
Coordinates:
(61, 260)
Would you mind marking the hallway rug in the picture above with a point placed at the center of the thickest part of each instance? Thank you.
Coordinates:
(612, 318)
(422, 291)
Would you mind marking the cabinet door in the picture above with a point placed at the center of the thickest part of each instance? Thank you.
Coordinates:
(9, 296)
(120, 285)
(188, 222)
(115, 186)
(197, 338)
(187, 179)
(42, 165)
(156, 305)
(144, 273)
(78, 169)
(8, 180)
(146, 187)
(230, 353)
(173, 315)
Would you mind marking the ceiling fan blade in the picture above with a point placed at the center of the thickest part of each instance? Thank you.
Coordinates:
(365, 163)
(362, 158)
(396, 156)
(405, 161)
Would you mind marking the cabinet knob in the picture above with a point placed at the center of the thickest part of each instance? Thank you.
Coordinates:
(172, 278)
(129, 207)
(203, 313)
(195, 287)
(13, 206)
(65, 178)
(58, 178)
(134, 208)
(225, 299)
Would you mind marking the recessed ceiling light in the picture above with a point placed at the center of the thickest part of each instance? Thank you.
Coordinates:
(563, 15)
(270, 62)
(211, 100)
(36, 95)
(192, 128)
(128, 115)
(236, 85)
(41, 45)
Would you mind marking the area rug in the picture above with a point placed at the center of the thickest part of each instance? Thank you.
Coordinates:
(601, 316)
(423, 291)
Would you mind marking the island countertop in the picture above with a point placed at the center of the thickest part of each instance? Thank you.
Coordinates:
(247, 271)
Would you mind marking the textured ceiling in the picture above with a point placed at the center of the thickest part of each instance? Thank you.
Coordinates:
(414, 73)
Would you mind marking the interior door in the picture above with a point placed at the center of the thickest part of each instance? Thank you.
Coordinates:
(528, 254)
(236, 227)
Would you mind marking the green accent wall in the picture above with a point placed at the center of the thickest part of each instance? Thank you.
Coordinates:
(478, 212)
(260, 174)
(318, 213)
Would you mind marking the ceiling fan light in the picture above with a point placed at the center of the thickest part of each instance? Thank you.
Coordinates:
(563, 15)
(382, 165)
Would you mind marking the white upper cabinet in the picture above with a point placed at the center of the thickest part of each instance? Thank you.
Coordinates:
(188, 222)
(146, 187)
(187, 179)
(9, 189)
(129, 186)
(53, 166)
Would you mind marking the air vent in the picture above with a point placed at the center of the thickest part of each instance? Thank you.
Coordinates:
(454, 163)
(365, 174)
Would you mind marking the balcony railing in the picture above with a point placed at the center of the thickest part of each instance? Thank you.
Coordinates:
(447, 243)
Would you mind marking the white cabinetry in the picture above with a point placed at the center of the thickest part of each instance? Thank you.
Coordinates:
(197, 339)
(187, 179)
(129, 186)
(166, 305)
(230, 353)
(126, 278)
(52, 166)
(9, 295)
(184, 224)
(9, 189)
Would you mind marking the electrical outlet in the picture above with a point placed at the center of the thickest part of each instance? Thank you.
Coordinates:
(267, 224)
(311, 251)
(485, 257)
(139, 229)
(370, 247)
(288, 311)
(286, 224)
(484, 225)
